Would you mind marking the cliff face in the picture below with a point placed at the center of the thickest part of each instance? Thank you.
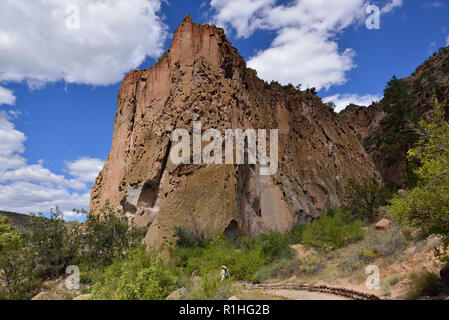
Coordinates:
(429, 79)
(203, 78)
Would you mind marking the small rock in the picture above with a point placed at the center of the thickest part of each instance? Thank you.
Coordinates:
(233, 298)
(83, 297)
(301, 251)
(180, 294)
(383, 224)
(47, 296)
(403, 193)
(292, 278)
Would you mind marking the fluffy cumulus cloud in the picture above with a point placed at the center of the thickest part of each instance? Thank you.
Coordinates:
(29, 188)
(7, 96)
(343, 100)
(40, 40)
(85, 169)
(304, 50)
(390, 6)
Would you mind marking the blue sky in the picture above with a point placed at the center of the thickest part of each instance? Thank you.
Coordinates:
(59, 79)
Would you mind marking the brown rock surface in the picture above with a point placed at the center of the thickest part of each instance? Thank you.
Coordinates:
(203, 78)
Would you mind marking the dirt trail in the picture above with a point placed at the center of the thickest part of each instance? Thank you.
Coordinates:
(309, 292)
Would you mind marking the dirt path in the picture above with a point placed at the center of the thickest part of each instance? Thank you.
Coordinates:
(308, 292)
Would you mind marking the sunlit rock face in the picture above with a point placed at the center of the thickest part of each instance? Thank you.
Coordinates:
(203, 78)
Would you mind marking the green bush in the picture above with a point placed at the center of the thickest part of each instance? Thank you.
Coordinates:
(50, 242)
(243, 257)
(140, 276)
(212, 288)
(376, 244)
(424, 283)
(102, 238)
(286, 268)
(363, 199)
(332, 231)
(18, 274)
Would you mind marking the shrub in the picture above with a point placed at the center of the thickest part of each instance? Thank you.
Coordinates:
(376, 244)
(212, 288)
(363, 199)
(104, 237)
(50, 242)
(18, 276)
(185, 238)
(140, 276)
(286, 268)
(424, 283)
(332, 231)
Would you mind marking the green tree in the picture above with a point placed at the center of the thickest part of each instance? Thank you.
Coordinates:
(363, 199)
(399, 114)
(8, 233)
(103, 237)
(50, 242)
(333, 231)
(427, 205)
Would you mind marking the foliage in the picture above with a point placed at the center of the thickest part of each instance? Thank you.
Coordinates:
(376, 244)
(399, 114)
(242, 257)
(362, 200)
(185, 238)
(427, 205)
(8, 233)
(212, 288)
(332, 231)
(18, 276)
(103, 237)
(287, 267)
(162, 56)
(139, 276)
(424, 283)
(49, 241)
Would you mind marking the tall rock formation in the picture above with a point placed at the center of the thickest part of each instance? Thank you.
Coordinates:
(203, 78)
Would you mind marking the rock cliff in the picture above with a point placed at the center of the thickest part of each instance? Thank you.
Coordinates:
(203, 78)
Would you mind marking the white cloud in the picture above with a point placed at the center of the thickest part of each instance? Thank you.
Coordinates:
(306, 57)
(32, 187)
(28, 197)
(114, 37)
(7, 96)
(85, 169)
(447, 41)
(343, 100)
(241, 15)
(304, 49)
(390, 6)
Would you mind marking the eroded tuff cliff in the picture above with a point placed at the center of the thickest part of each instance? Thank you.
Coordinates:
(203, 78)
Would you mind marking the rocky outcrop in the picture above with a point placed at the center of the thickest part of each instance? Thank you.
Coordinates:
(203, 78)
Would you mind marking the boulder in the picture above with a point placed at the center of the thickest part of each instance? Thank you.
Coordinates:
(47, 296)
(383, 224)
(301, 251)
(84, 297)
(233, 298)
(180, 294)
